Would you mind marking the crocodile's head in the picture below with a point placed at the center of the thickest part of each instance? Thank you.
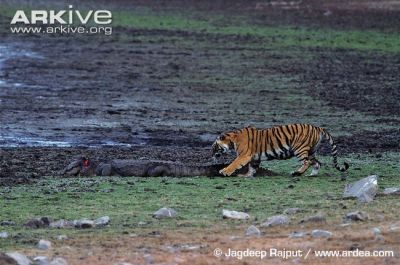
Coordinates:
(79, 166)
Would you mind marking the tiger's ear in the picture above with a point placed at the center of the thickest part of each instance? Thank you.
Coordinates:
(222, 137)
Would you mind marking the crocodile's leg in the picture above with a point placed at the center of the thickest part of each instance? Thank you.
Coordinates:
(250, 173)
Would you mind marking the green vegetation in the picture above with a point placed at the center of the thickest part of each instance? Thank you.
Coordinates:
(272, 36)
(130, 202)
(277, 37)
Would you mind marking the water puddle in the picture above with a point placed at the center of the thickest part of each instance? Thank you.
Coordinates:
(23, 141)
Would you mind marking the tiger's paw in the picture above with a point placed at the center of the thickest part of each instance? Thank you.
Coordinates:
(224, 172)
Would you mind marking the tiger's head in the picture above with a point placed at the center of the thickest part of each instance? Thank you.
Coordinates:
(223, 144)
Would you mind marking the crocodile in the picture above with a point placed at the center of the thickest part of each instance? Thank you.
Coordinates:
(83, 166)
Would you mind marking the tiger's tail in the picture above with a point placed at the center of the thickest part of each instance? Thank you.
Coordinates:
(334, 152)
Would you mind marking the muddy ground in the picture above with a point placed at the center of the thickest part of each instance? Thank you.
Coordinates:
(61, 96)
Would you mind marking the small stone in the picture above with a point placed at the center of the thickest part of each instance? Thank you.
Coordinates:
(291, 210)
(276, 220)
(234, 215)
(102, 221)
(253, 231)
(321, 233)
(148, 258)
(41, 260)
(297, 234)
(62, 237)
(21, 259)
(44, 244)
(7, 223)
(314, 219)
(3, 235)
(84, 223)
(376, 231)
(58, 261)
(356, 216)
(61, 224)
(165, 213)
(36, 223)
(391, 191)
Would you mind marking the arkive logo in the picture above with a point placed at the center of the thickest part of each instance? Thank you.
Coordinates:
(63, 17)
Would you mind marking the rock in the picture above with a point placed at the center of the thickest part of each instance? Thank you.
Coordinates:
(6, 260)
(58, 261)
(41, 260)
(84, 223)
(21, 259)
(165, 213)
(314, 219)
(391, 191)
(148, 258)
(35, 223)
(102, 221)
(61, 224)
(291, 210)
(364, 190)
(376, 231)
(44, 244)
(297, 234)
(276, 220)
(62, 237)
(6, 223)
(321, 233)
(227, 214)
(3, 234)
(253, 231)
(356, 216)
(123, 263)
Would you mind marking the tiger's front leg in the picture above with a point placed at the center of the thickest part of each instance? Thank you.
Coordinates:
(236, 164)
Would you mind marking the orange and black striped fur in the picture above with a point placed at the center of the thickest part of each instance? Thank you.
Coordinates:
(283, 142)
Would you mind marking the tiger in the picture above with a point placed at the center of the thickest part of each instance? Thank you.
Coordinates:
(282, 142)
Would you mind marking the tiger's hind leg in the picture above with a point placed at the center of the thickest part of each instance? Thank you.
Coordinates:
(306, 162)
(316, 165)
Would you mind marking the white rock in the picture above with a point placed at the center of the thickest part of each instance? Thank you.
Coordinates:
(3, 234)
(253, 231)
(297, 234)
(390, 191)
(234, 215)
(376, 231)
(58, 261)
(102, 221)
(291, 210)
(165, 213)
(21, 259)
(43, 244)
(41, 260)
(321, 233)
(84, 223)
(62, 237)
(364, 190)
(276, 220)
(61, 224)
